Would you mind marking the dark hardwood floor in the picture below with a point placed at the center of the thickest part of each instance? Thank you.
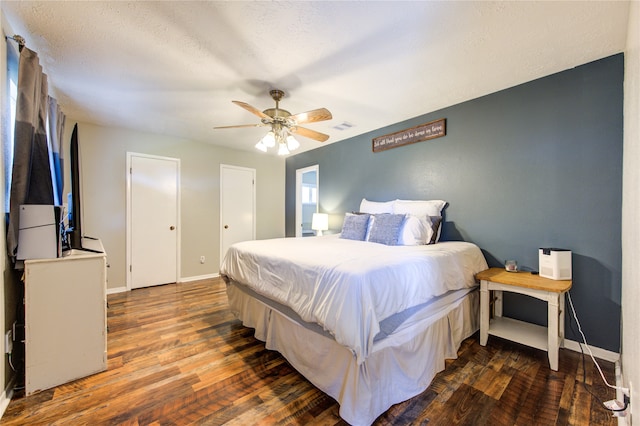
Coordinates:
(177, 356)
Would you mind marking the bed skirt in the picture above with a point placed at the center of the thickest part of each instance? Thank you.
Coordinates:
(391, 374)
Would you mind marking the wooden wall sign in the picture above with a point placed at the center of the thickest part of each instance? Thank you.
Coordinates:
(423, 132)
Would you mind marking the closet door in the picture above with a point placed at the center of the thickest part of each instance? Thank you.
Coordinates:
(237, 206)
(154, 217)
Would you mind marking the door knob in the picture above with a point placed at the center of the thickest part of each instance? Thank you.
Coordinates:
(226, 227)
(172, 227)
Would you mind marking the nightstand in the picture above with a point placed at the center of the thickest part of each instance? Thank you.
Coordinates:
(498, 280)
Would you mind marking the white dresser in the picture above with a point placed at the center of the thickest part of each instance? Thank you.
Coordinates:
(65, 317)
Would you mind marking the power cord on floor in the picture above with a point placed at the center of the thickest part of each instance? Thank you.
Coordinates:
(17, 370)
(614, 405)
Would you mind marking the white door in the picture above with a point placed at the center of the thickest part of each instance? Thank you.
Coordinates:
(237, 206)
(306, 199)
(153, 220)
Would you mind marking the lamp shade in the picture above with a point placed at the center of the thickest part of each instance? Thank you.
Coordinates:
(269, 140)
(320, 222)
(292, 143)
(282, 149)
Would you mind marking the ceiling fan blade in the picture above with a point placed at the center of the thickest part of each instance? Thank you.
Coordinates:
(320, 114)
(311, 134)
(253, 110)
(239, 125)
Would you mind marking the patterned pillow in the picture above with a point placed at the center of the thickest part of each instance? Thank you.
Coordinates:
(436, 221)
(354, 226)
(386, 229)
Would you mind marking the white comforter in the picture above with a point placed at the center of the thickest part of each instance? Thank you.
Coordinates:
(349, 286)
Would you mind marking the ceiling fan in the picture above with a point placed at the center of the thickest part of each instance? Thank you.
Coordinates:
(283, 125)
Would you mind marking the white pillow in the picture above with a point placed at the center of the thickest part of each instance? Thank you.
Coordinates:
(376, 207)
(421, 209)
(415, 231)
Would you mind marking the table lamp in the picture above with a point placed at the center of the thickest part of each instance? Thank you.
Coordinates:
(319, 223)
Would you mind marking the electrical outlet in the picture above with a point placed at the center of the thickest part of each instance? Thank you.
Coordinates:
(201, 259)
(8, 342)
(614, 405)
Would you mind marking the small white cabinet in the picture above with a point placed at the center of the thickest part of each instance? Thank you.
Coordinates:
(65, 317)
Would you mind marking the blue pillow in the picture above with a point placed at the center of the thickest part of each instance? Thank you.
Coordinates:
(386, 229)
(355, 226)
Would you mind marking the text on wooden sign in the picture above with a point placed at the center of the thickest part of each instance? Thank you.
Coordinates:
(423, 132)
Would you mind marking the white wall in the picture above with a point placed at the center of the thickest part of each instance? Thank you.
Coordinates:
(103, 152)
(630, 212)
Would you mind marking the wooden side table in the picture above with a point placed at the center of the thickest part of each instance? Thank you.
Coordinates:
(498, 280)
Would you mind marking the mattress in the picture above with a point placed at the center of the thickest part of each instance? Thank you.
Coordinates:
(349, 288)
(397, 327)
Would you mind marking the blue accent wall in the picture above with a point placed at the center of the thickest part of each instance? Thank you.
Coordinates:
(536, 165)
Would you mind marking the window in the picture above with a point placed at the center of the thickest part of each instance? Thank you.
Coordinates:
(7, 140)
(309, 194)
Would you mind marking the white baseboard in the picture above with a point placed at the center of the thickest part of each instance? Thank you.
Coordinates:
(622, 420)
(116, 290)
(198, 278)
(597, 352)
(607, 356)
(5, 397)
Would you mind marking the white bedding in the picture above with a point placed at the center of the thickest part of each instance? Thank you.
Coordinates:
(396, 370)
(347, 286)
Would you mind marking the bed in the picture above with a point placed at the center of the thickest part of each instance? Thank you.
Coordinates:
(368, 323)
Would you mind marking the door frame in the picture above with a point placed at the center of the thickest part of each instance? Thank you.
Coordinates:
(299, 173)
(220, 229)
(130, 155)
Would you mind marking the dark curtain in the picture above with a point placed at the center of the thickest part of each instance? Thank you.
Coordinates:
(31, 175)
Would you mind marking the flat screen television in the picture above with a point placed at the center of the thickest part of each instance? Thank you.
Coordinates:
(74, 230)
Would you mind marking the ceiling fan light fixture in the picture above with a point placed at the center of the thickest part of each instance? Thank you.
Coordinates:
(269, 140)
(282, 149)
(283, 123)
(292, 143)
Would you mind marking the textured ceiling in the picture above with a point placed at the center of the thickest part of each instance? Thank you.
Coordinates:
(173, 67)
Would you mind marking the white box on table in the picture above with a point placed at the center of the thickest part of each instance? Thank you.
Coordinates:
(554, 263)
